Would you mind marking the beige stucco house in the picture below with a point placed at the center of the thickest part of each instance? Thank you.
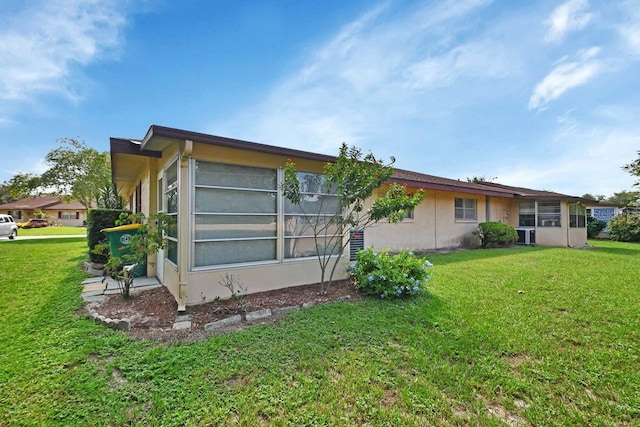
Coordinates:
(71, 214)
(231, 216)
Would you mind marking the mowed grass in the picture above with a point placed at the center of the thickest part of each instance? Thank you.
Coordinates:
(52, 231)
(524, 336)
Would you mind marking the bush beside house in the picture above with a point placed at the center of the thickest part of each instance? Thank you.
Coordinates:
(494, 234)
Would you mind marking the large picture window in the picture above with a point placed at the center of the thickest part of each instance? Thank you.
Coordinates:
(465, 209)
(577, 216)
(235, 210)
(549, 214)
(315, 215)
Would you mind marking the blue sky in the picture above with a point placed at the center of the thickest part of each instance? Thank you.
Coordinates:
(541, 94)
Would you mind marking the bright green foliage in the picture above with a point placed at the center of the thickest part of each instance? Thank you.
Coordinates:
(353, 178)
(625, 228)
(594, 226)
(530, 337)
(77, 171)
(494, 234)
(20, 186)
(389, 276)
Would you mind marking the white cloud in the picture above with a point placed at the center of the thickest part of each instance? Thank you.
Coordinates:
(587, 160)
(41, 44)
(368, 78)
(566, 75)
(630, 30)
(478, 59)
(569, 16)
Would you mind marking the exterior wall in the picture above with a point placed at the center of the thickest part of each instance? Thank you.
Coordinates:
(193, 286)
(559, 236)
(434, 226)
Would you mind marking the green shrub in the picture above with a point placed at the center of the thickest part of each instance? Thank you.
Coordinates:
(496, 234)
(625, 228)
(389, 276)
(97, 219)
(594, 226)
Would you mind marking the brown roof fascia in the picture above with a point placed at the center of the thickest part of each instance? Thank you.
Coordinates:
(130, 146)
(180, 135)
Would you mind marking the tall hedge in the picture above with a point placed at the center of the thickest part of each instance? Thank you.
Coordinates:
(97, 219)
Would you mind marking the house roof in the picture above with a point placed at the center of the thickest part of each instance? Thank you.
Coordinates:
(42, 202)
(159, 138)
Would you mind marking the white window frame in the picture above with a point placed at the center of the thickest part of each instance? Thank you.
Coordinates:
(465, 210)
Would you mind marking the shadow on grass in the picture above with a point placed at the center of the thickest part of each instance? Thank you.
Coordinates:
(618, 251)
(465, 255)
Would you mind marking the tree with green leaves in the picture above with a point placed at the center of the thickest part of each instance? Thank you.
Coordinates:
(333, 203)
(624, 198)
(20, 186)
(634, 168)
(77, 171)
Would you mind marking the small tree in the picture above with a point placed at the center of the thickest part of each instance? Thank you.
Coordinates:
(351, 179)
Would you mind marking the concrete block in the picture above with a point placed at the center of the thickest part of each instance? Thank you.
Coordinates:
(285, 310)
(257, 315)
(183, 324)
(223, 322)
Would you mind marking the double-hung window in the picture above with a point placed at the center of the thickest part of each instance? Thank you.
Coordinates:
(577, 216)
(235, 214)
(314, 216)
(465, 209)
(549, 214)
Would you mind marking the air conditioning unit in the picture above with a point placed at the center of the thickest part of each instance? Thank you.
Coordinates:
(526, 236)
(356, 242)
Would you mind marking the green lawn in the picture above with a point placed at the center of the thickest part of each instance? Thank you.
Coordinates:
(52, 231)
(525, 336)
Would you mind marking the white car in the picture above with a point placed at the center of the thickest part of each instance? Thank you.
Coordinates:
(8, 227)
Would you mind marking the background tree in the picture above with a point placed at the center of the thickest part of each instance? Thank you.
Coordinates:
(77, 171)
(481, 179)
(624, 198)
(18, 187)
(596, 198)
(351, 179)
(634, 168)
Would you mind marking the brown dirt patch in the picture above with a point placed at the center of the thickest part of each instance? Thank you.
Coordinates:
(152, 313)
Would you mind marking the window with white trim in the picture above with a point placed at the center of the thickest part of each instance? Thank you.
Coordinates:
(171, 202)
(549, 214)
(315, 213)
(465, 209)
(577, 216)
(235, 214)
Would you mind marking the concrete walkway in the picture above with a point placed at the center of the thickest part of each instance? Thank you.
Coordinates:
(95, 288)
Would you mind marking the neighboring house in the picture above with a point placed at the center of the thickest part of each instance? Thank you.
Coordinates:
(231, 217)
(603, 211)
(70, 214)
